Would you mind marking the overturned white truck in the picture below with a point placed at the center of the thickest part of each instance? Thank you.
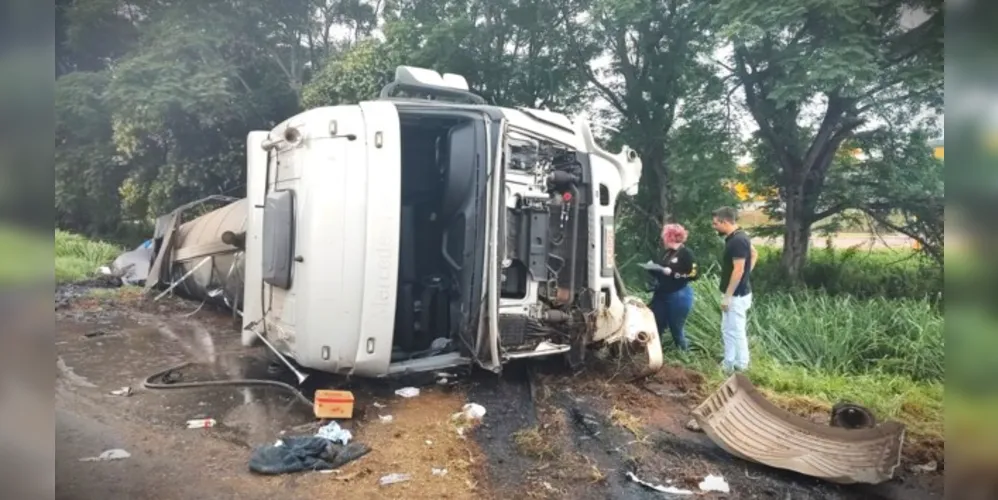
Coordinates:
(419, 231)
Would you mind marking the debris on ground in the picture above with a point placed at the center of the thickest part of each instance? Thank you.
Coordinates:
(386, 419)
(301, 453)
(114, 454)
(350, 476)
(393, 479)
(472, 412)
(201, 423)
(444, 378)
(94, 334)
(693, 426)
(132, 267)
(333, 432)
(124, 391)
(333, 404)
(930, 466)
(739, 419)
(714, 483)
(586, 422)
(469, 416)
(672, 490)
(407, 392)
(378, 405)
(438, 472)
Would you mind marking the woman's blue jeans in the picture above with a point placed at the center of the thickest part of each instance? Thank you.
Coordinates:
(671, 311)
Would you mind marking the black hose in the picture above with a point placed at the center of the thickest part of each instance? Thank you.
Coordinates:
(149, 383)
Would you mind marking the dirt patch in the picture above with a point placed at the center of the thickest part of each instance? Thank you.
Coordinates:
(114, 338)
(546, 433)
(420, 438)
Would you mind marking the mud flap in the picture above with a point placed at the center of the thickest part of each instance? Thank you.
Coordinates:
(745, 424)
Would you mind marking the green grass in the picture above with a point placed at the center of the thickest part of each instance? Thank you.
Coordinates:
(811, 349)
(25, 256)
(78, 258)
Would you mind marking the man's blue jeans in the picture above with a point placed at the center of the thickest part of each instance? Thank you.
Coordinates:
(671, 311)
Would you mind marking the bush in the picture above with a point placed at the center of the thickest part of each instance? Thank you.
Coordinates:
(77, 258)
(887, 274)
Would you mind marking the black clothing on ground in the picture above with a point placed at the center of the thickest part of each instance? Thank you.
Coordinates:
(302, 453)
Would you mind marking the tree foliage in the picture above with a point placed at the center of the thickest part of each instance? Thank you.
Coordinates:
(667, 101)
(155, 97)
(814, 73)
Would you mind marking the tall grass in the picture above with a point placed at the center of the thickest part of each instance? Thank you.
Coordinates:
(77, 257)
(836, 335)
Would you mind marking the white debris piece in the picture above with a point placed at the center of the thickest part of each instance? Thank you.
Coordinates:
(386, 419)
(394, 478)
(473, 411)
(333, 432)
(407, 392)
(201, 423)
(469, 416)
(925, 468)
(439, 472)
(714, 483)
(378, 405)
(115, 454)
(658, 487)
(124, 391)
(470, 413)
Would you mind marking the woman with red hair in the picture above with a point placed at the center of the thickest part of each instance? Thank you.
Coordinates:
(672, 299)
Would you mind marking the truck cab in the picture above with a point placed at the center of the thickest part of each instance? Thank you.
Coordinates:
(426, 229)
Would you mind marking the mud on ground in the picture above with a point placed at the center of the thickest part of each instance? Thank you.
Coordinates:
(547, 433)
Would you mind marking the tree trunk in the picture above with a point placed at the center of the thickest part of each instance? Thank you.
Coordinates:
(796, 237)
(655, 182)
(652, 199)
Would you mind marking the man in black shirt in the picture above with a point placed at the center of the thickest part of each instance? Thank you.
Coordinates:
(736, 266)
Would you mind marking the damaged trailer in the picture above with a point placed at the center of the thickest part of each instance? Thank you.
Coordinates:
(419, 231)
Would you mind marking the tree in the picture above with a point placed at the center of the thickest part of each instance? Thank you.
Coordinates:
(352, 76)
(513, 53)
(900, 186)
(853, 60)
(88, 170)
(162, 119)
(666, 101)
